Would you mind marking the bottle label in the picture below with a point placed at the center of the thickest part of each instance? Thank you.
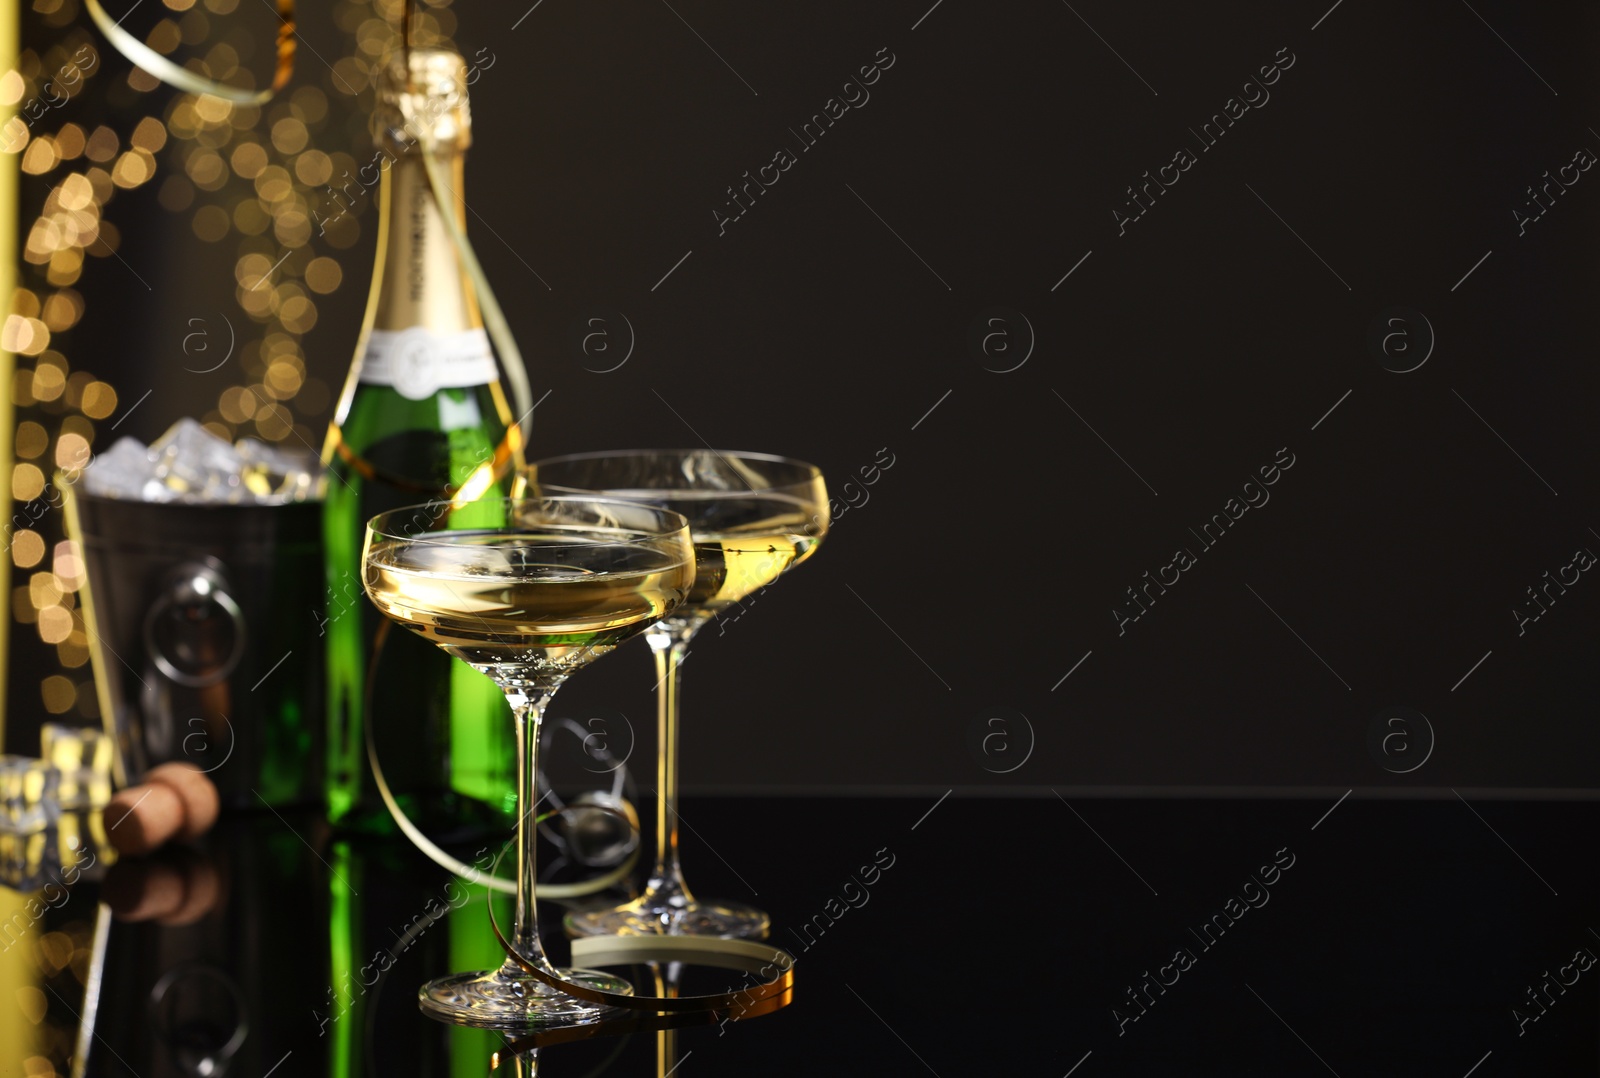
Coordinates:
(418, 362)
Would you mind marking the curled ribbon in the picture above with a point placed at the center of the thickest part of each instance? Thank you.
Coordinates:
(172, 74)
(442, 858)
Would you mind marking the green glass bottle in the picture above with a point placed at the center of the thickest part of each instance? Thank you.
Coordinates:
(422, 415)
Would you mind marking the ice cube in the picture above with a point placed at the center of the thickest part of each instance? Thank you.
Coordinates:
(198, 466)
(82, 754)
(126, 470)
(274, 473)
(28, 798)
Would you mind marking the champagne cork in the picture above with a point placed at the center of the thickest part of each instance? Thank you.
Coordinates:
(175, 801)
(200, 800)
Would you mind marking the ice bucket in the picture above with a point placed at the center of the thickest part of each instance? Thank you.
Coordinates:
(200, 621)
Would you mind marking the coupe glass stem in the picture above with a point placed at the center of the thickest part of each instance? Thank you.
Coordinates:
(528, 701)
(670, 644)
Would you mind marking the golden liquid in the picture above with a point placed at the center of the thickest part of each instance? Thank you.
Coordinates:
(731, 567)
(519, 599)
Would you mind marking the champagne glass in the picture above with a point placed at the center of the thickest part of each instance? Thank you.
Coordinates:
(558, 583)
(752, 517)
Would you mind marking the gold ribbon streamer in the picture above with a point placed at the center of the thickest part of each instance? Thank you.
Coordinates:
(494, 320)
(455, 865)
(172, 74)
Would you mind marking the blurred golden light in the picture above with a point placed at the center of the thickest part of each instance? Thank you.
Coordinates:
(27, 548)
(179, 5)
(142, 80)
(194, 26)
(70, 141)
(251, 219)
(237, 405)
(251, 268)
(133, 168)
(77, 424)
(48, 382)
(349, 76)
(16, 134)
(62, 310)
(25, 302)
(255, 301)
(298, 313)
(274, 422)
(150, 135)
(165, 37)
(313, 168)
(31, 439)
(75, 191)
(99, 400)
(223, 61)
(289, 135)
(28, 336)
(102, 144)
(100, 181)
(293, 229)
(44, 590)
(72, 451)
(222, 7)
(248, 159)
(211, 109)
(221, 430)
(11, 87)
(182, 118)
(22, 609)
(40, 156)
(375, 36)
(27, 482)
(67, 564)
(64, 268)
(73, 653)
(323, 275)
(59, 693)
(211, 223)
(283, 379)
(205, 168)
(55, 624)
(273, 183)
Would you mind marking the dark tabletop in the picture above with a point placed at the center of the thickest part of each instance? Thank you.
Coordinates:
(1046, 936)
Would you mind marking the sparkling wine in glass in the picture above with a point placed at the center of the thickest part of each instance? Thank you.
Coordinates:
(752, 517)
(561, 582)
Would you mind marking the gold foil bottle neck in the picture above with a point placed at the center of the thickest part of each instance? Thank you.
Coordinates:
(428, 110)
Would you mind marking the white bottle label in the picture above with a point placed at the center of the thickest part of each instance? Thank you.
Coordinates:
(418, 362)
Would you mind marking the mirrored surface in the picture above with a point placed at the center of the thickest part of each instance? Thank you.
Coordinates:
(949, 935)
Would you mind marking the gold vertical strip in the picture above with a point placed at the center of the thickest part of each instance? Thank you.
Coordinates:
(9, 252)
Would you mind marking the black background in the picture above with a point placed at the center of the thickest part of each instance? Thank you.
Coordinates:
(835, 320)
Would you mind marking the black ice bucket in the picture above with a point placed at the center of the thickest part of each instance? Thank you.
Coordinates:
(199, 619)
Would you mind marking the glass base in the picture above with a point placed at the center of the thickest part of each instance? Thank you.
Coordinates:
(658, 916)
(508, 998)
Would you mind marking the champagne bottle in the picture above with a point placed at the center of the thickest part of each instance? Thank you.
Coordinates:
(422, 416)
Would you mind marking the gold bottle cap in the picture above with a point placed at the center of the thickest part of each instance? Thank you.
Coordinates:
(430, 111)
